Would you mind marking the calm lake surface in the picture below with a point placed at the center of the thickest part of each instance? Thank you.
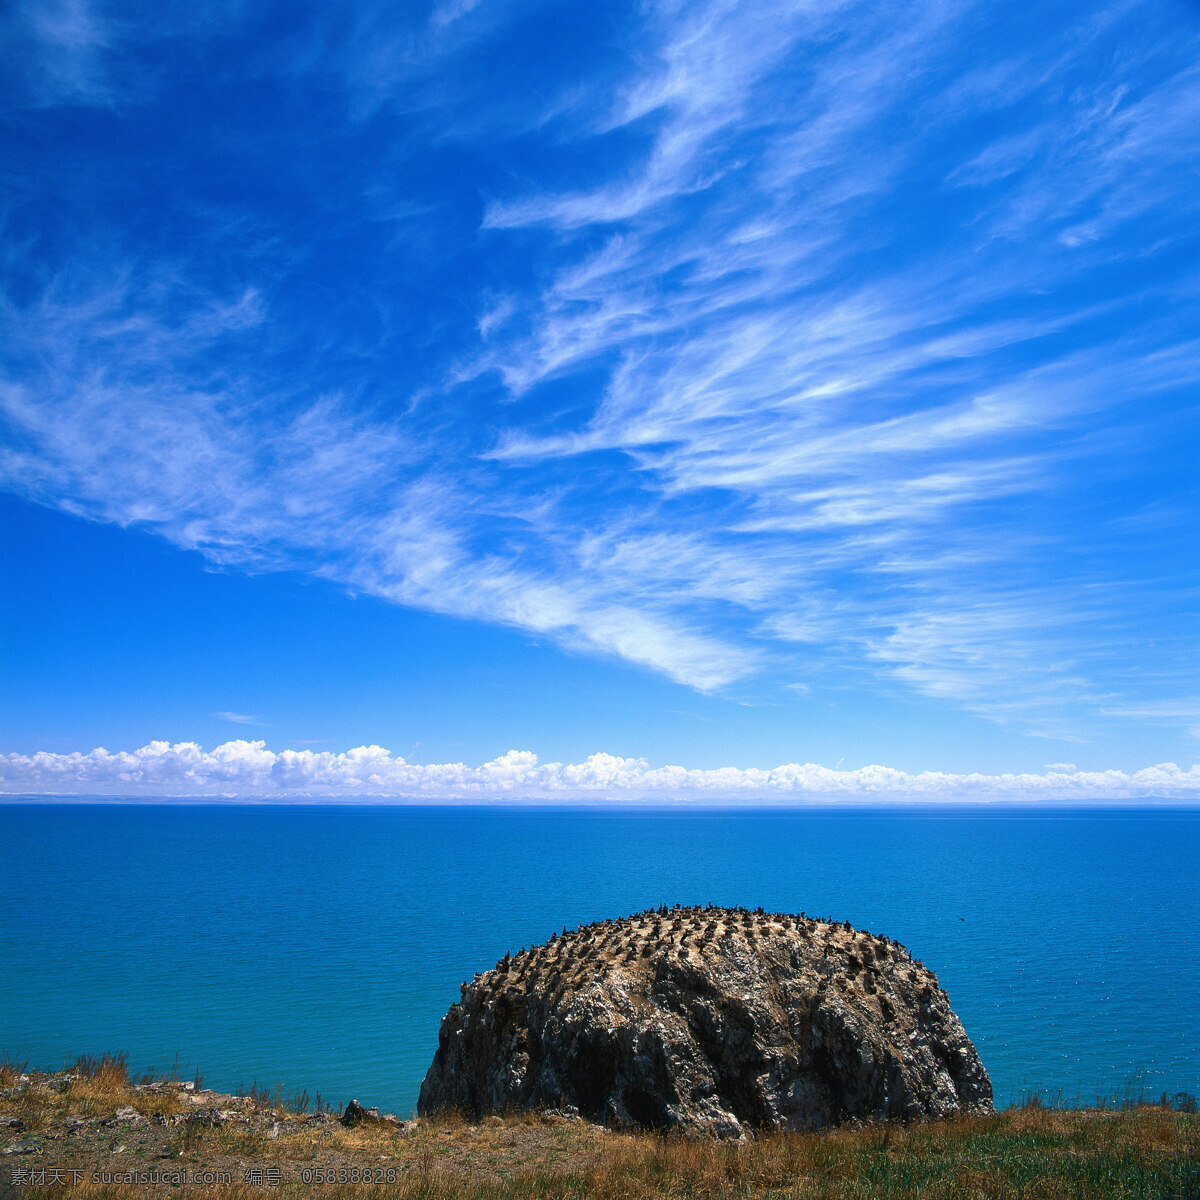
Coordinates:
(320, 946)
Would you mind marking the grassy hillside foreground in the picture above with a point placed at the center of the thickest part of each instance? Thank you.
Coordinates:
(93, 1132)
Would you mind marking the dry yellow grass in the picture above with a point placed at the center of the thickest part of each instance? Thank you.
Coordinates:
(1031, 1153)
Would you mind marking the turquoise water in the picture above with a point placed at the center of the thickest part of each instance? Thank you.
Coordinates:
(320, 946)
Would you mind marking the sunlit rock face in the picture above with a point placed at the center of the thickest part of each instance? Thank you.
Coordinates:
(709, 1021)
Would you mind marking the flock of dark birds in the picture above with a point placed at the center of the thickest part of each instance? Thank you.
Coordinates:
(638, 933)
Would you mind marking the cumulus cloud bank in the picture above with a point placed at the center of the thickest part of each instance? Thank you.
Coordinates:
(248, 770)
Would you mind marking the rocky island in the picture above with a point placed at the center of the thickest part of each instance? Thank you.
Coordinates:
(709, 1021)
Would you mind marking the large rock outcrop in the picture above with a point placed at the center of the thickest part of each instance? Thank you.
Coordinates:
(708, 1020)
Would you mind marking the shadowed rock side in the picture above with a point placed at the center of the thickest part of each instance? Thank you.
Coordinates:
(708, 1020)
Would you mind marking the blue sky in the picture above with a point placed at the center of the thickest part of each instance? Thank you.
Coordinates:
(719, 385)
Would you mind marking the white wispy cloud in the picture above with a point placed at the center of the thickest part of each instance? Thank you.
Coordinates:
(248, 770)
(58, 50)
(762, 374)
(1179, 712)
(237, 718)
(824, 356)
(87, 53)
(312, 484)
